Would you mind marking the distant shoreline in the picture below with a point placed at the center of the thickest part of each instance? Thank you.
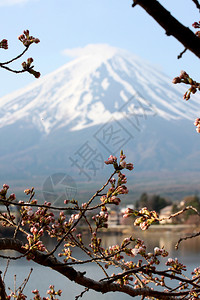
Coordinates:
(127, 229)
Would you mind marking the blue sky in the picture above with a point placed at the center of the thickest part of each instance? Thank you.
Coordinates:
(67, 24)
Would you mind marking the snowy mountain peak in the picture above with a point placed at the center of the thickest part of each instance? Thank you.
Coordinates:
(100, 83)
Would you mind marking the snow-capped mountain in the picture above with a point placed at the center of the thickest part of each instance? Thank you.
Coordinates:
(91, 89)
(103, 85)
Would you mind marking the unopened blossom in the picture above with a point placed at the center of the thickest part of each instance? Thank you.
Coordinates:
(103, 198)
(12, 197)
(115, 200)
(84, 205)
(157, 251)
(144, 225)
(122, 156)
(129, 166)
(4, 44)
(112, 181)
(176, 80)
(123, 164)
(111, 160)
(196, 24)
(27, 191)
(183, 75)
(6, 186)
(26, 39)
(122, 189)
(197, 124)
(128, 212)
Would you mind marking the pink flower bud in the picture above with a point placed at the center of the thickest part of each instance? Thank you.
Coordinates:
(129, 167)
(111, 160)
(5, 186)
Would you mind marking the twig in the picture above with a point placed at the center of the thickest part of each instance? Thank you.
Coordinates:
(15, 58)
(181, 54)
(82, 293)
(81, 215)
(186, 238)
(24, 283)
(6, 269)
(3, 295)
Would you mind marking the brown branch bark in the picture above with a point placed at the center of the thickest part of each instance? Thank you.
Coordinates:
(196, 2)
(2, 289)
(81, 279)
(171, 25)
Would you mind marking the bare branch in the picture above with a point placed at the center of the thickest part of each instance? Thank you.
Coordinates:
(81, 279)
(171, 25)
(3, 295)
(196, 2)
(181, 54)
(186, 238)
(15, 58)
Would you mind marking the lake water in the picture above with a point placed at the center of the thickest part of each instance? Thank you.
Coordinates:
(42, 277)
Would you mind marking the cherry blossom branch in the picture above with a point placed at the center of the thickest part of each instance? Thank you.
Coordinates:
(171, 25)
(81, 279)
(82, 212)
(40, 220)
(3, 295)
(27, 40)
(15, 58)
(196, 2)
(186, 238)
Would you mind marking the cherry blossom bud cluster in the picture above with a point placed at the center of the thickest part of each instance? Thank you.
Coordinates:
(146, 218)
(119, 187)
(27, 66)
(66, 253)
(41, 216)
(112, 160)
(27, 40)
(4, 44)
(61, 225)
(101, 219)
(140, 250)
(128, 213)
(95, 244)
(175, 265)
(115, 251)
(7, 219)
(16, 295)
(51, 292)
(122, 189)
(34, 244)
(28, 191)
(158, 251)
(3, 193)
(197, 25)
(197, 124)
(185, 78)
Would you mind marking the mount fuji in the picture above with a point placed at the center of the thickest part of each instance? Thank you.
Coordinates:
(104, 100)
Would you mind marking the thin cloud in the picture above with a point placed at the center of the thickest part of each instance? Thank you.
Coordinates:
(88, 50)
(13, 2)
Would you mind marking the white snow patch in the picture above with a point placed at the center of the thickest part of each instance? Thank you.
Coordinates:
(105, 84)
